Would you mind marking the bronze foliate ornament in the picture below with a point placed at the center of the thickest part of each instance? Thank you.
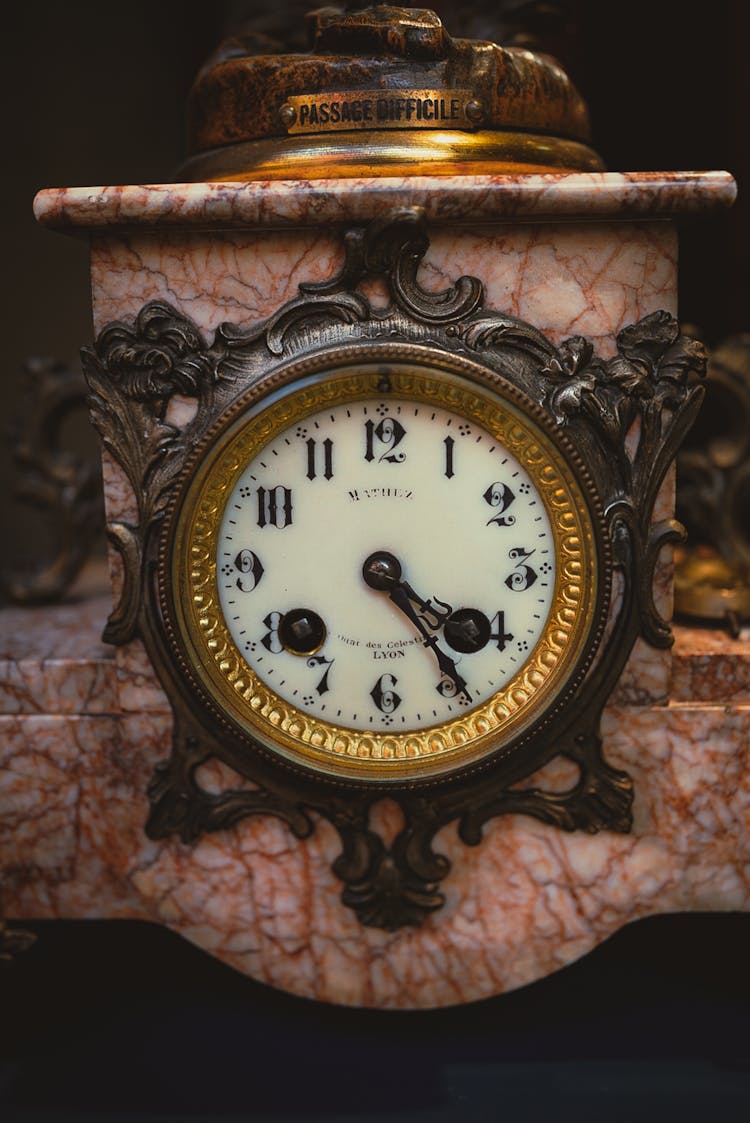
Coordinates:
(330, 350)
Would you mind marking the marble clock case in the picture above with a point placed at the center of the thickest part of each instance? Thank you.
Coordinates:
(85, 724)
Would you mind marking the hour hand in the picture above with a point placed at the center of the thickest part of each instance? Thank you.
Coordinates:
(382, 571)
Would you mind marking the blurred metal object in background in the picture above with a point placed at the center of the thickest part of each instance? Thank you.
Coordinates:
(64, 484)
(713, 495)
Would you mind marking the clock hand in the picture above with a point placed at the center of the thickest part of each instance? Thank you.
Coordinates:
(400, 598)
(382, 572)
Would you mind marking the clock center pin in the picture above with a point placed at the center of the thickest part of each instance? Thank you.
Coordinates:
(381, 570)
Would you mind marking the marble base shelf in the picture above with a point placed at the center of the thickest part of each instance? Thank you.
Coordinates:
(75, 762)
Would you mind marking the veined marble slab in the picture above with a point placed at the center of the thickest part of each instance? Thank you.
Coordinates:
(567, 279)
(444, 198)
(581, 254)
(523, 904)
(52, 660)
(709, 666)
(527, 901)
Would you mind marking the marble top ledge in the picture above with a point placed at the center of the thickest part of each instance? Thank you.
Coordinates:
(709, 666)
(599, 195)
(52, 658)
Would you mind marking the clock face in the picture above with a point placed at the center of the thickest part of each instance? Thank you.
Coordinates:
(385, 564)
(384, 570)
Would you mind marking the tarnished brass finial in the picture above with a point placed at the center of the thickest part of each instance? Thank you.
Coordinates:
(383, 91)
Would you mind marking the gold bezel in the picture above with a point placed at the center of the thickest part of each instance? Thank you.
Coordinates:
(234, 691)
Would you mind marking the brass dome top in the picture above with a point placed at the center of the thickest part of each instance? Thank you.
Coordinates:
(383, 91)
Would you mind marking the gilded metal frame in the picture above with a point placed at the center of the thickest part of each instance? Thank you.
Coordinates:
(625, 416)
(190, 597)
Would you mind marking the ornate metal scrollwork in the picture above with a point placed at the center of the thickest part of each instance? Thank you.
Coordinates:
(626, 415)
(132, 373)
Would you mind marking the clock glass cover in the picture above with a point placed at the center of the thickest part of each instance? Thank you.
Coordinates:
(385, 571)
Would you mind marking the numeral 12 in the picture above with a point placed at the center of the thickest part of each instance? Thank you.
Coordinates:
(388, 433)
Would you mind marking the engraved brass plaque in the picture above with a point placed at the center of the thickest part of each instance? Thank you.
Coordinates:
(380, 109)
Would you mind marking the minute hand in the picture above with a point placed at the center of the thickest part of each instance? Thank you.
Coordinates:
(383, 572)
(400, 598)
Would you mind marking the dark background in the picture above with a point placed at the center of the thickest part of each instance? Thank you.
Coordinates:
(112, 1021)
(119, 1020)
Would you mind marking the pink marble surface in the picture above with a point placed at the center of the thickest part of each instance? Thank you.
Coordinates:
(523, 904)
(528, 900)
(52, 661)
(71, 801)
(566, 279)
(444, 198)
(709, 666)
(138, 689)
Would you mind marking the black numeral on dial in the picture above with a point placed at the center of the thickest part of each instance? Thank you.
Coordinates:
(251, 568)
(498, 633)
(449, 688)
(317, 453)
(321, 661)
(449, 443)
(523, 576)
(271, 640)
(499, 495)
(275, 506)
(382, 439)
(384, 694)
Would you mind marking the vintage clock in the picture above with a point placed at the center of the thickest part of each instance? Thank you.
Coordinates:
(385, 565)
(389, 395)
(377, 558)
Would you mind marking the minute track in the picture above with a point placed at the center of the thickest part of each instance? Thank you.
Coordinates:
(387, 479)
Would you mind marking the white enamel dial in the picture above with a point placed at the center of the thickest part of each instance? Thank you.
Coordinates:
(458, 556)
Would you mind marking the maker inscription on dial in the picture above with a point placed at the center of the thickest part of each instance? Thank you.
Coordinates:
(385, 565)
